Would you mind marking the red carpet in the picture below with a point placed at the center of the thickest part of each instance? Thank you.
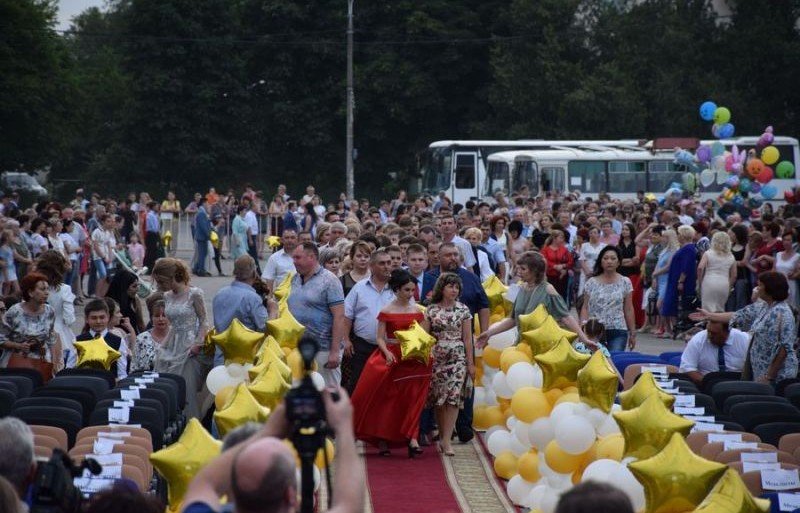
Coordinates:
(398, 484)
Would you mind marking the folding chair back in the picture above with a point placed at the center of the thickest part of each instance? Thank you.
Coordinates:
(56, 433)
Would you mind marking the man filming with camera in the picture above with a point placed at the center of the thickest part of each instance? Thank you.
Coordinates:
(259, 475)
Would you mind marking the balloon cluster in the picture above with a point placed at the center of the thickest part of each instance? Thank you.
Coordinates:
(721, 116)
(551, 422)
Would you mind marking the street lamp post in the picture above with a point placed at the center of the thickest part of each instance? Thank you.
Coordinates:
(350, 102)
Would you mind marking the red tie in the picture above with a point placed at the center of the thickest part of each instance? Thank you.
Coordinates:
(416, 293)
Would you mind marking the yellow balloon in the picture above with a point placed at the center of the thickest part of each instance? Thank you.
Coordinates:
(319, 461)
(95, 354)
(649, 427)
(494, 318)
(505, 465)
(531, 321)
(491, 357)
(554, 395)
(730, 495)
(268, 357)
(241, 408)
(167, 238)
(546, 336)
(239, 344)
(611, 447)
(676, 479)
(560, 460)
(181, 461)
(598, 383)
(285, 287)
(528, 466)
(526, 349)
(285, 329)
(269, 387)
(571, 397)
(495, 416)
(529, 404)
(510, 356)
(480, 417)
(273, 241)
(572, 389)
(415, 343)
(644, 388)
(274, 349)
(223, 396)
(770, 155)
(560, 365)
(495, 289)
(295, 363)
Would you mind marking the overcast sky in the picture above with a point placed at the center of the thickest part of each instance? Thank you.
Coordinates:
(69, 8)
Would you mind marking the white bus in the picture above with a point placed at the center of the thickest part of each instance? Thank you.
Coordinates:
(477, 169)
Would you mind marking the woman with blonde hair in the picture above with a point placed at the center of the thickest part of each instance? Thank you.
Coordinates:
(661, 274)
(716, 273)
(182, 350)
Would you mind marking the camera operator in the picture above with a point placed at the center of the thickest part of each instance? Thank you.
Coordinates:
(260, 474)
(17, 461)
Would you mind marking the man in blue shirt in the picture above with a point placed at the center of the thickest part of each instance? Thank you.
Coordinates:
(474, 297)
(152, 237)
(202, 234)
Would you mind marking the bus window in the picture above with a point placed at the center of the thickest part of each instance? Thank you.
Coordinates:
(525, 173)
(661, 173)
(587, 177)
(436, 173)
(627, 177)
(497, 178)
(553, 179)
(465, 170)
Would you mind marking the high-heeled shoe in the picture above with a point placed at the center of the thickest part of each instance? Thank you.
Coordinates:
(414, 451)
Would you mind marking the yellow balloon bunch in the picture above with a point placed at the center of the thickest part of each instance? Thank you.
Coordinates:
(241, 407)
(96, 354)
(239, 344)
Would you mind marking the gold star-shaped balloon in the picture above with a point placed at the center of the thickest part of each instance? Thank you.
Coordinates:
(598, 383)
(495, 291)
(166, 239)
(649, 427)
(273, 241)
(644, 388)
(239, 344)
(269, 355)
(415, 342)
(560, 365)
(546, 336)
(531, 321)
(181, 461)
(96, 354)
(241, 407)
(269, 387)
(730, 495)
(285, 329)
(274, 349)
(676, 479)
(283, 289)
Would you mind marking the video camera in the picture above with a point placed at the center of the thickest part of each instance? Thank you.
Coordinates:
(305, 411)
(53, 487)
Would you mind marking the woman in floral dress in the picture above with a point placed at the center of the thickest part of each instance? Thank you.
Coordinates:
(148, 342)
(453, 371)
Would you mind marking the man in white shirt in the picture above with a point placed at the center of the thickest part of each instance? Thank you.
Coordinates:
(309, 195)
(280, 263)
(251, 220)
(717, 348)
(448, 229)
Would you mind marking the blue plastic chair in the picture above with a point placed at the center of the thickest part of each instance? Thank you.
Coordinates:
(669, 355)
(675, 360)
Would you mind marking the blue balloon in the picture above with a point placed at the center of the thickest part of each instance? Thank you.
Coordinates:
(769, 191)
(745, 184)
(738, 200)
(732, 181)
(755, 187)
(707, 110)
(727, 130)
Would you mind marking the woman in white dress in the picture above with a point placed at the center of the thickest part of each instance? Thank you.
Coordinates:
(787, 262)
(52, 264)
(587, 256)
(716, 273)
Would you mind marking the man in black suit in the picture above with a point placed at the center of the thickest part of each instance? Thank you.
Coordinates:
(97, 317)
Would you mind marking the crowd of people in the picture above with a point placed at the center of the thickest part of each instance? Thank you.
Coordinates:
(359, 272)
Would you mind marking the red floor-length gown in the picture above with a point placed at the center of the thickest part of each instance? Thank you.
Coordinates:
(388, 400)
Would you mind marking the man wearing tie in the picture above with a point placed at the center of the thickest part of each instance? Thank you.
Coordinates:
(417, 258)
(718, 348)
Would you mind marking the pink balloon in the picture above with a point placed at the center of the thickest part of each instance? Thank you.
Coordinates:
(766, 175)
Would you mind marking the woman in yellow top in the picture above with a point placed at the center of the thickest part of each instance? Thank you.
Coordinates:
(170, 217)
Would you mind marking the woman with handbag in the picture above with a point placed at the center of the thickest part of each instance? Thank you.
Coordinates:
(29, 338)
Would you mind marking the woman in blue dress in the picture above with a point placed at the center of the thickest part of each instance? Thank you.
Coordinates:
(682, 277)
(239, 234)
(661, 277)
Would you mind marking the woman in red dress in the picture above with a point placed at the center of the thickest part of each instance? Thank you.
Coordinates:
(391, 393)
(559, 261)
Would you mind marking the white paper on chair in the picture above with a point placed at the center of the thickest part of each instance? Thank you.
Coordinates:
(90, 485)
(119, 415)
(759, 457)
(724, 437)
(683, 410)
(732, 446)
(106, 459)
(130, 394)
(144, 381)
(710, 419)
(125, 403)
(113, 434)
(705, 427)
(686, 401)
(655, 369)
(748, 466)
(788, 501)
(780, 479)
(105, 445)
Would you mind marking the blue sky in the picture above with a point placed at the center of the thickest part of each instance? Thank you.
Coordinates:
(69, 8)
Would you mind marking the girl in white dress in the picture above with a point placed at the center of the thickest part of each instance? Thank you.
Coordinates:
(587, 256)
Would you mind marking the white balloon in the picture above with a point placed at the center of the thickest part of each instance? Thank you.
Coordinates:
(561, 411)
(517, 447)
(318, 380)
(628, 460)
(511, 293)
(534, 498)
(520, 375)
(503, 340)
(707, 177)
(219, 378)
(490, 398)
(236, 371)
(492, 430)
(538, 378)
(479, 396)
(559, 482)
(616, 407)
(500, 386)
(574, 434)
(582, 409)
(550, 500)
(540, 433)
(625, 481)
(601, 471)
(608, 427)
(544, 470)
(596, 416)
(518, 489)
(511, 422)
(487, 379)
(520, 432)
(499, 441)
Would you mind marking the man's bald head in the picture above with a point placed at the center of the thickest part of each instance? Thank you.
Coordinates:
(263, 477)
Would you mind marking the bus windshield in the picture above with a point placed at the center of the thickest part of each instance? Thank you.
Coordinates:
(497, 178)
(437, 169)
